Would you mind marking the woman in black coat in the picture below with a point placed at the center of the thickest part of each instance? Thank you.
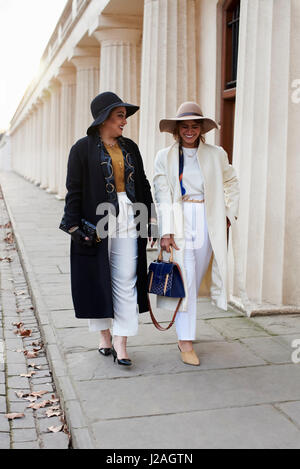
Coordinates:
(109, 278)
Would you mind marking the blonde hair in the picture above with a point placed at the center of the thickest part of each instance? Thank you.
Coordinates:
(177, 136)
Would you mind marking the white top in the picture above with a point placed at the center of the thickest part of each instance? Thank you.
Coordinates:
(192, 175)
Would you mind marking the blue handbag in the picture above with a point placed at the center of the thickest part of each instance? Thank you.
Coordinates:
(165, 279)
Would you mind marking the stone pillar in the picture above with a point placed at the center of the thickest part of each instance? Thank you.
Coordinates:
(45, 97)
(120, 68)
(26, 166)
(266, 153)
(67, 78)
(168, 69)
(33, 143)
(39, 141)
(86, 61)
(54, 131)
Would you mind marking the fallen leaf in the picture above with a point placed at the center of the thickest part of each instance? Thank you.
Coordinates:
(25, 332)
(33, 365)
(18, 324)
(19, 310)
(9, 238)
(38, 393)
(18, 293)
(39, 405)
(14, 416)
(21, 394)
(55, 429)
(30, 398)
(29, 375)
(54, 401)
(9, 259)
(29, 354)
(54, 411)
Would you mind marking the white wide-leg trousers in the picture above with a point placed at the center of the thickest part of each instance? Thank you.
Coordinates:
(197, 255)
(122, 246)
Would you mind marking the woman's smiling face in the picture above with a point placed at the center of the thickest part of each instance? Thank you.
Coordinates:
(189, 132)
(115, 123)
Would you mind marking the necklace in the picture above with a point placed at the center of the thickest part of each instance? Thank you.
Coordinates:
(110, 145)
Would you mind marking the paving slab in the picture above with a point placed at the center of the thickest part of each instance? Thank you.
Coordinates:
(235, 328)
(269, 349)
(163, 359)
(280, 324)
(292, 410)
(255, 427)
(187, 392)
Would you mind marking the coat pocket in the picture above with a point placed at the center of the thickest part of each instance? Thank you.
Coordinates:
(80, 250)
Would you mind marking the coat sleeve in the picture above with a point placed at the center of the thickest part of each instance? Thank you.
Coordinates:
(74, 189)
(163, 196)
(231, 189)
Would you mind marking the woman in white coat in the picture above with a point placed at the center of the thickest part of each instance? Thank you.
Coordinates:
(197, 193)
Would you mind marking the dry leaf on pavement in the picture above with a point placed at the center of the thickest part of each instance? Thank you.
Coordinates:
(56, 429)
(25, 332)
(14, 416)
(33, 365)
(21, 394)
(39, 405)
(29, 375)
(38, 393)
(18, 324)
(29, 354)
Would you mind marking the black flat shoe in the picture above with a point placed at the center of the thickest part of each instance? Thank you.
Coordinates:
(122, 361)
(105, 351)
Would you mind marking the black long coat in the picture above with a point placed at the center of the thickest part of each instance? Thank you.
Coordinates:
(90, 269)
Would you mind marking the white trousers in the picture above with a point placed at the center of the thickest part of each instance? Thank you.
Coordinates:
(197, 255)
(122, 249)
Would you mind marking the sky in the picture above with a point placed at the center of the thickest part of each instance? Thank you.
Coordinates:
(25, 29)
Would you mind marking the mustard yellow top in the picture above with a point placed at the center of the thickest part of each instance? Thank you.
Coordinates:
(117, 160)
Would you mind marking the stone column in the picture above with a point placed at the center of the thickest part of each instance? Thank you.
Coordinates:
(39, 141)
(86, 61)
(168, 69)
(67, 78)
(120, 68)
(54, 130)
(45, 97)
(26, 165)
(266, 153)
(33, 143)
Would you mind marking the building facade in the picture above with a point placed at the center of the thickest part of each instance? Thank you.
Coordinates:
(238, 59)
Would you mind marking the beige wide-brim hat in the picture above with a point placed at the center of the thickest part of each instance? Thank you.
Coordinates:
(188, 111)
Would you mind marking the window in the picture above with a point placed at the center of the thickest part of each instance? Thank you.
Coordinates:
(231, 18)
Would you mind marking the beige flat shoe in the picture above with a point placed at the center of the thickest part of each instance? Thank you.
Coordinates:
(190, 358)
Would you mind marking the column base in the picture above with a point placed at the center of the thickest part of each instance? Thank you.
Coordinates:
(51, 191)
(262, 309)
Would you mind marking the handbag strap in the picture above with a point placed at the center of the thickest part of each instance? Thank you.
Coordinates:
(160, 256)
(156, 323)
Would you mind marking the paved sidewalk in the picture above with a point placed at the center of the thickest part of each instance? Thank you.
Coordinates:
(246, 394)
(27, 387)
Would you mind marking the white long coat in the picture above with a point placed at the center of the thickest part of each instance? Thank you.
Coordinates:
(221, 189)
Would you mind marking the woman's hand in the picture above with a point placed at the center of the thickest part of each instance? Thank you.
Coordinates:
(167, 241)
(79, 237)
(153, 232)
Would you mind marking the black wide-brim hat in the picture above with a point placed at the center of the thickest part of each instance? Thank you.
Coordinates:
(103, 104)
